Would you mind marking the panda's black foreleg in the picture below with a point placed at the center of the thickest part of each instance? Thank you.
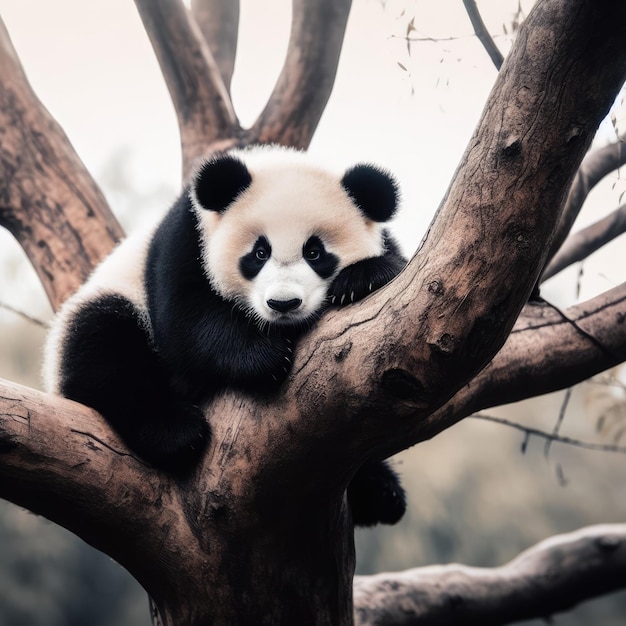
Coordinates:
(360, 279)
(108, 364)
(376, 496)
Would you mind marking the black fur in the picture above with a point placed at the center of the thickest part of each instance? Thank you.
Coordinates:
(109, 365)
(321, 261)
(203, 340)
(373, 190)
(149, 383)
(252, 263)
(220, 180)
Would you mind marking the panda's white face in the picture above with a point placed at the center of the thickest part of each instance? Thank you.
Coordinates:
(275, 249)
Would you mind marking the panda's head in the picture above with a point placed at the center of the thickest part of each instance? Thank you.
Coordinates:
(275, 230)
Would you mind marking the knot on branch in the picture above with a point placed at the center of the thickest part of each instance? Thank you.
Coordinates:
(512, 148)
(403, 385)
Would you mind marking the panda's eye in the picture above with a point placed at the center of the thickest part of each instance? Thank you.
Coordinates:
(262, 254)
(313, 254)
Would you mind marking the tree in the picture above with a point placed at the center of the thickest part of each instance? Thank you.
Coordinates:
(261, 533)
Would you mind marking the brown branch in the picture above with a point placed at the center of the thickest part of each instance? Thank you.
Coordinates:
(206, 117)
(306, 80)
(552, 576)
(546, 351)
(483, 34)
(595, 166)
(57, 456)
(586, 241)
(420, 339)
(48, 200)
(218, 21)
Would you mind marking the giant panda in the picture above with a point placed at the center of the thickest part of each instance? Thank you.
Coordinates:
(258, 245)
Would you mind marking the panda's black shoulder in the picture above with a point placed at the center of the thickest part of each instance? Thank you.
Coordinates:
(173, 263)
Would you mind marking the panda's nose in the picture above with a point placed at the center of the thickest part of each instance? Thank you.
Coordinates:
(284, 306)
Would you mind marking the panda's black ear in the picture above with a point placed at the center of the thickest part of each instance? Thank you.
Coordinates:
(374, 190)
(219, 181)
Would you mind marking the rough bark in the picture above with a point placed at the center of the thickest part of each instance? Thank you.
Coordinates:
(48, 200)
(206, 117)
(259, 532)
(552, 576)
(218, 21)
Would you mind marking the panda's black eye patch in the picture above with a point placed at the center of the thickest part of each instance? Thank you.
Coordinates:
(324, 263)
(252, 263)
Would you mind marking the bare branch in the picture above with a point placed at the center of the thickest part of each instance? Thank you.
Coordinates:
(595, 166)
(586, 241)
(306, 81)
(552, 576)
(542, 434)
(483, 34)
(547, 351)
(219, 22)
(206, 117)
(23, 315)
(48, 200)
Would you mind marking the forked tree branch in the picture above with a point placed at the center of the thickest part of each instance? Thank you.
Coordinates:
(586, 241)
(552, 576)
(48, 200)
(206, 117)
(308, 75)
(218, 21)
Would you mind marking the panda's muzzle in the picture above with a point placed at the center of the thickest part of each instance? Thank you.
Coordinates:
(284, 306)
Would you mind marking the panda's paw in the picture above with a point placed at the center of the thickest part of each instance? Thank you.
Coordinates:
(376, 495)
(175, 439)
(350, 285)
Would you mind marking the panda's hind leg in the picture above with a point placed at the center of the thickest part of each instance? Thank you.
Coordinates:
(376, 496)
(108, 364)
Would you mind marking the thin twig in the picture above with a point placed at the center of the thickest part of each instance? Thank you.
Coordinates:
(26, 316)
(483, 34)
(570, 441)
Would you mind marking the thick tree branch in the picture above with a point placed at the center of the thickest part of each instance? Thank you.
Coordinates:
(552, 576)
(595, 166)
(47, 198)
(218, 21)
(61, 460)
(546, 351)
(439, 323)
(483, 34)
(586, 241)
(206, 117)
(306, 81)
